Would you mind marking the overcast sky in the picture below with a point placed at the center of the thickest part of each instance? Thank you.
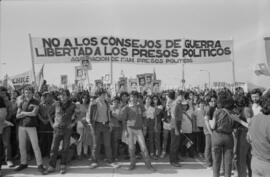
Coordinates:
(244, 21)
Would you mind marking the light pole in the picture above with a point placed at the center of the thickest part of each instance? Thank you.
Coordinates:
(208, 77)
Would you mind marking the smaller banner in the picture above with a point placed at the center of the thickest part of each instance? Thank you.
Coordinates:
(23, 78)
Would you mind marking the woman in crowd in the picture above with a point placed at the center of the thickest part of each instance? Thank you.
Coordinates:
(84, 140)
(212, 105)
(222, 138)
(243, 148)
(159, 114)
(166, 121)
(151, 126)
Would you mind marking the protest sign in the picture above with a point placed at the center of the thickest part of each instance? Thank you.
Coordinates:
(127, 50)
(106, 79)
(122, 84)
(132, 85)
(80, 73)
(24, 78)
(156, 86)
(142, 82)
(86, 64)
(64, 79)
(149, 79)
(98, 83)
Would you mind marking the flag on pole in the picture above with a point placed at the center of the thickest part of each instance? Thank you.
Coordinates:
(154, 75)
(40, 78)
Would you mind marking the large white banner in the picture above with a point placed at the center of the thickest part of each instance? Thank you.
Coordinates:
(127, 50)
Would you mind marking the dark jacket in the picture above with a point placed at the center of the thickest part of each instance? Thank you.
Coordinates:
(91, 115)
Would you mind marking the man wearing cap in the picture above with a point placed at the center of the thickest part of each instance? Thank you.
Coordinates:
(98, 117)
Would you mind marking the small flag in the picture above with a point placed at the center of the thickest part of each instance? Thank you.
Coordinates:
(154, 74)
(40, 78)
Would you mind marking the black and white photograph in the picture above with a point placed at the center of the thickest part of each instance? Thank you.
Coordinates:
(122, 88)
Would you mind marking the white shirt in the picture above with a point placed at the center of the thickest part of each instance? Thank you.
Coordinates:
(256, 109)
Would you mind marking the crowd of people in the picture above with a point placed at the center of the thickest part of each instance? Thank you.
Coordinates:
(229, 130)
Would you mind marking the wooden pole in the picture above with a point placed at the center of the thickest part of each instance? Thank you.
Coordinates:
(233, 66)
(32, 59)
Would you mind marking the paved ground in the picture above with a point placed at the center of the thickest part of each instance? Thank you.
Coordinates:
(190, 168)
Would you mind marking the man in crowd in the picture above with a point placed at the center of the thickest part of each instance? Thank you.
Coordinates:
(63, 121)
(27, 118)
(176, 121)
(259, 137)
(99, 117)
(255, 97)
(7, 130)
(133, 124)
(45, 108)
(3, 114)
